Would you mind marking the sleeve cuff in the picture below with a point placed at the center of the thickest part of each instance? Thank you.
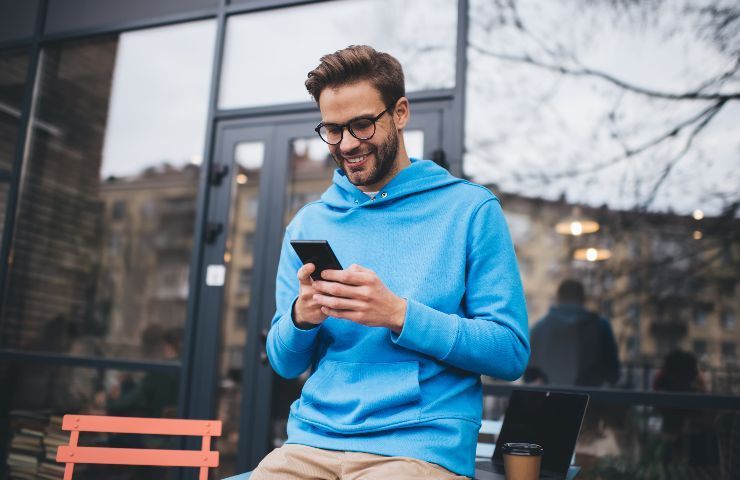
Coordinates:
(294, 338)
(427, 330)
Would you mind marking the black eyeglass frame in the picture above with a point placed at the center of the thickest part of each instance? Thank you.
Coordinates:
(349, 127)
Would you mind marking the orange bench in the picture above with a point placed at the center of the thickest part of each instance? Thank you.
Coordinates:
(203, 459)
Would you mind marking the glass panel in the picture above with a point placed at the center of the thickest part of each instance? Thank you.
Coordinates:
(108, 200)
(311, 170)
(414, 142)
(641, 442)
(39, 395)
(239, 257)
(421, 34)
(616, 170)
(13, 67)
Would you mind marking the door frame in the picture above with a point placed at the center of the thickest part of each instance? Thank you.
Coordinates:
(275, 130)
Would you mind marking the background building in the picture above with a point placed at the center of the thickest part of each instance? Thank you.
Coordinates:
(152, 153)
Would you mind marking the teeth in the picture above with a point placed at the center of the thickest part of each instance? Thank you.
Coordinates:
(356, 160)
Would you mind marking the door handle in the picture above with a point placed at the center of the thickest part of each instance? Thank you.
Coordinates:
(218, 172)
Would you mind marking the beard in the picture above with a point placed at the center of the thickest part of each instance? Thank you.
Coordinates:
(385, 160)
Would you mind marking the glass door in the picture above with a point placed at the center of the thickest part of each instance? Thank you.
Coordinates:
(271, 169)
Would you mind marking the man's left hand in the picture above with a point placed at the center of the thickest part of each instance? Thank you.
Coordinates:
(357, 294)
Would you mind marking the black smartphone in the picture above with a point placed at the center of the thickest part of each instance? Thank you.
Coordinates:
(317, 252)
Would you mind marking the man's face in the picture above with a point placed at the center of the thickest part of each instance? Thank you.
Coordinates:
(368, 164)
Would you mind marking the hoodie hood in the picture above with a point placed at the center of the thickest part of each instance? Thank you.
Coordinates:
(420, 176)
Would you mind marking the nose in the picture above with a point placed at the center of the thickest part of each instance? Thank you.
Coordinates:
(348, 143)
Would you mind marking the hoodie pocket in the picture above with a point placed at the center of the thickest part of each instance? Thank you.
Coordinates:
(361, 397)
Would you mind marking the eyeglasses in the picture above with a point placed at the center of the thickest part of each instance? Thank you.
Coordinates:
(362, 128)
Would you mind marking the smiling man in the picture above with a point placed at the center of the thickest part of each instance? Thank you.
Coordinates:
(398, 341)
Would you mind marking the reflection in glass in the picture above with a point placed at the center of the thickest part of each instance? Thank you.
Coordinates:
(13, 67)
(414, 141)
(641, 442)
(249, 158)
(107, 205)
(39, 395)
(556, 122)
(421, 34)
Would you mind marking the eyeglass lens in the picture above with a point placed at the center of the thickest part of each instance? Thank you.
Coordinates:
(361, 129)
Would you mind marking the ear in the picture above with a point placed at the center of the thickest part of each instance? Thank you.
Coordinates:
(401, 113)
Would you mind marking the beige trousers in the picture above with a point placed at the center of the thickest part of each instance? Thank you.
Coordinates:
(300, 462)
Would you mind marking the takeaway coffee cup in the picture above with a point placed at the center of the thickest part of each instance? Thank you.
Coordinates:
(522, 461)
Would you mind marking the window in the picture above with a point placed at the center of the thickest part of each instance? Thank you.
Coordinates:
(242, 315)
(729, 351)
(420, 33)
(607, 308)
(537, 125)
(119, 210)
(13, 66)
(633, 346)
(633, 314)
(245, 279)
(109, 110)
(728, 319)
(701, 314)
(700, 348)
(248, 243)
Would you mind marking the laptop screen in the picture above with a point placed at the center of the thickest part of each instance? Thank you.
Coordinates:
(550, 419)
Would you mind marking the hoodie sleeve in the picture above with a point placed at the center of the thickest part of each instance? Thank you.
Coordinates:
(289, 348)
(492, 338)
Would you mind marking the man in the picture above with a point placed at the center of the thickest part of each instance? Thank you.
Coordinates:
(573, 346)
(397, 341)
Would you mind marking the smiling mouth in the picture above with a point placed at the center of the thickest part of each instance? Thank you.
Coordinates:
(356, 160)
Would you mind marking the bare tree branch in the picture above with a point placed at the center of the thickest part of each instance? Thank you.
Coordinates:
(673, 162)
(711, 111)
(589, 72)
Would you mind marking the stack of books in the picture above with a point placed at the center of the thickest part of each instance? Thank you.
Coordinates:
(49, 469)
(26, 443)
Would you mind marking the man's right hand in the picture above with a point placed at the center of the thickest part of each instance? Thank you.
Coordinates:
(306, 312)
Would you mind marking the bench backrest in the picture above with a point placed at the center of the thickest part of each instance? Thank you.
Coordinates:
(203, 459)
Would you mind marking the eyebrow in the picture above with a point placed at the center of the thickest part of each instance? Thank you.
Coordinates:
(367, 116)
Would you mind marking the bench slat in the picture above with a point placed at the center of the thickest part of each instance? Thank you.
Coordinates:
(146, 426)
(137, 456)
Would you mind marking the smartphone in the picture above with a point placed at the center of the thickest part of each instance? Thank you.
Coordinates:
(317, 252)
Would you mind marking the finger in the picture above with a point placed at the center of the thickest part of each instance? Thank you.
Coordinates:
(348, 277)
(338, 303)
(304, 273)
(336, 289)
(346, 314)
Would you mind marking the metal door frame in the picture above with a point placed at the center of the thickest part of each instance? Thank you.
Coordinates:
(276, 131)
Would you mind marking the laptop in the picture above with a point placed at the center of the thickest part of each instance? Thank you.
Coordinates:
(548, 418)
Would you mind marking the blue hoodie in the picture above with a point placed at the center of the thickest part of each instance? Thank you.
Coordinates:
(442, 244)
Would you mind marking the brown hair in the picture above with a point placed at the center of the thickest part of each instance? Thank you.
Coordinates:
(354, 64)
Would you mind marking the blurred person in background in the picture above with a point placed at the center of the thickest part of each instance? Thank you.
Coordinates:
(572, 345)
(689, 432)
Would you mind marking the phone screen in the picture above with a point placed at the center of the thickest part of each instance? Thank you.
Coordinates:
(317, 252)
